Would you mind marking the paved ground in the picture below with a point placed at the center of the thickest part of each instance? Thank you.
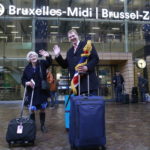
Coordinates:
(127, 127)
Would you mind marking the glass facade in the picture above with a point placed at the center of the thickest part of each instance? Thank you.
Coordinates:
(113, 25)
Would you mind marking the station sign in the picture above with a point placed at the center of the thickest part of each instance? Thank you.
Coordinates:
(77, 12)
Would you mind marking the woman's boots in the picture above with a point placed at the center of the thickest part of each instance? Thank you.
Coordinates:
(42, 121)
(32, 116)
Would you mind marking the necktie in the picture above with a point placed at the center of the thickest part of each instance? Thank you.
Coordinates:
(75, 48)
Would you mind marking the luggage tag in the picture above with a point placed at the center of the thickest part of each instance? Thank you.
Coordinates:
(20, 129)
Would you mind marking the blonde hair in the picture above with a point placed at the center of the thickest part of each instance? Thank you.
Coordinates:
(31, 53)
(72, 30)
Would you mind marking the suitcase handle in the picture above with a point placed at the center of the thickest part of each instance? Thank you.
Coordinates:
(88, 83)
(24, 96)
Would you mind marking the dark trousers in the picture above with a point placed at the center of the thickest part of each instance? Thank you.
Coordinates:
(142, 96)
(118, 93)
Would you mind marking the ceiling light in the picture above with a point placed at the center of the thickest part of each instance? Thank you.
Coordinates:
(11, 26)
(1, 31)
(96, 28)
(75, 27)
(14, 32)
(3, 37)
(30, 26)
(115, 28)
(54, 27)
(92, 33)
(54, 32)
(17, 37)
(21, 67)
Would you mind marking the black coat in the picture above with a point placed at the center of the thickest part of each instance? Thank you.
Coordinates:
(72, 60)
(40, 96)
(142, 84)
(116, 82)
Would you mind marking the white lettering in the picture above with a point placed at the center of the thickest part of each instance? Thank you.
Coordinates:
(59, 12)
(12, 10)
(146, 15)
(53, 12)
(116, 15)
(110, 14)
(79, 12)
(121, 15)
(90, 14)
(18, 11)
(31, 11)
(133, 16)
(137, 15)
(104, 13)
(25, 11)
(72, 13)
(126, 15)
(86, 12)
(45, 10)
(38, 12)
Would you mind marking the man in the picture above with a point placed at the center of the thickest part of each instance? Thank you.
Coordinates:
(142, 85)
(72, 59)
(118, 81)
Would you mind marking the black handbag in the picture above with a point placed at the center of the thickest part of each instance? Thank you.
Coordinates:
(44, 84)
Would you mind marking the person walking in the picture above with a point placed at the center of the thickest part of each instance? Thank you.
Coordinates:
(72, 59)
(142, 85)
(118, 81)
(32, 79)
(51, 80)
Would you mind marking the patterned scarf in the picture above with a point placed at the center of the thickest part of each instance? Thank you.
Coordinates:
(83, 61)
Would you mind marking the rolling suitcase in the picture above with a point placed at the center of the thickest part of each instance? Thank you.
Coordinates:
(134, 95)
(124, 96)
(21, 130)
(87, 121)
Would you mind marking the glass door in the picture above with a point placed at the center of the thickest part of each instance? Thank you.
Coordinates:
(105, 81)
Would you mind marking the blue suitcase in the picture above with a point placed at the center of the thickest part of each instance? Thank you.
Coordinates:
(87, 122)
(67, 112)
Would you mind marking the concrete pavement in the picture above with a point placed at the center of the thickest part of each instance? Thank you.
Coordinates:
(127, 127)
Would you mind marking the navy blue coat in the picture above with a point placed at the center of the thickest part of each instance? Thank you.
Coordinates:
(116, 82)
(72, 60)
(142, 84)
(40, 96)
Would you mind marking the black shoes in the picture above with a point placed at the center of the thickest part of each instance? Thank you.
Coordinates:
(43, 129)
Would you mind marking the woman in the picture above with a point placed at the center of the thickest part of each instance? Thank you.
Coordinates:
(32, 79)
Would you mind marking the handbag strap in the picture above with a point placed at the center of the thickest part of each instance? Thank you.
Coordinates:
(41, 75)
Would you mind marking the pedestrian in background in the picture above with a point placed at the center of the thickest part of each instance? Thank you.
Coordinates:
(118, 81)
(32, 79)
(53, 88)
(142, 85)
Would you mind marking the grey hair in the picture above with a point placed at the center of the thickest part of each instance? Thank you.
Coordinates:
(31, 53)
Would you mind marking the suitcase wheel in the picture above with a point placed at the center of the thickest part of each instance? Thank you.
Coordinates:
(32, 142)
(103, 147)
(73, 148)
(10, 144)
